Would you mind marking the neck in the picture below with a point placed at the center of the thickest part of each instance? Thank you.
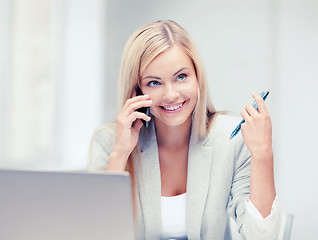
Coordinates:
(173, 137)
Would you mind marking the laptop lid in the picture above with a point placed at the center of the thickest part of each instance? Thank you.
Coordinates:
(63, 205)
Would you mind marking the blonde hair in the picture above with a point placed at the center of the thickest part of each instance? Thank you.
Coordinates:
(148, 42)
(142, 47)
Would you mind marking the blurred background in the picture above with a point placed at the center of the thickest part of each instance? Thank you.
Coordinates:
(59, 64)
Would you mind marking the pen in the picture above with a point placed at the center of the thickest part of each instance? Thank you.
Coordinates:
(238, 128)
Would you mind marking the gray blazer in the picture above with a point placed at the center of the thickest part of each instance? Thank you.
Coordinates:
(217, 184)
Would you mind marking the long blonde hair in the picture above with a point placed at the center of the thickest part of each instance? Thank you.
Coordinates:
(142, 47)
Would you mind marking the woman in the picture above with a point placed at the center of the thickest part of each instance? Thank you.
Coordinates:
(188, 176)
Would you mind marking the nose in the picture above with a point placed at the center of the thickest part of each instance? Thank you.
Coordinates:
(171, 93)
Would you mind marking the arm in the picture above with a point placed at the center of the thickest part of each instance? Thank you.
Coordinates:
(262, 187)
(257, 134)
(253, 179)
(251, 224)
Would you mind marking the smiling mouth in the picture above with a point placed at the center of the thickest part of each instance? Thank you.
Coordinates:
(173, 108)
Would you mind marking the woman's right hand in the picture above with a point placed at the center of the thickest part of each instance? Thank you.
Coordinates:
(128, 125)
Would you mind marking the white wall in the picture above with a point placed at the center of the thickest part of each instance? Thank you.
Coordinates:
(297, 84)
(4, 64)
(27, 82)
(82, 73)
(51, 75)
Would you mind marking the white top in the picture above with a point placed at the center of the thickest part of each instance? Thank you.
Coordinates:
(173, 210)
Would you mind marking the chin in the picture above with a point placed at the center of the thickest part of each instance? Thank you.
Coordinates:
(174, 122)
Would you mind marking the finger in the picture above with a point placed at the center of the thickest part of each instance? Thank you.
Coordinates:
(243, 128)
(127, 121)
(135, 99)
(138, 115)
(260, 103)
(134, 106)
(245, 115)
(251, 110)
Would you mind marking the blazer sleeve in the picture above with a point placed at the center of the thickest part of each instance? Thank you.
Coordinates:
(240, 183)
(249, 227)
(102, 144)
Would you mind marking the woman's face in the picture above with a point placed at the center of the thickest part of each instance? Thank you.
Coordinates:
(171, 83)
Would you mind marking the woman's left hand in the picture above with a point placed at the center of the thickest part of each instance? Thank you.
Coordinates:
(257, 129)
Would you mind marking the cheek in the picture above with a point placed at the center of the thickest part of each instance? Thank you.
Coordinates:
(192, 91)
(150, 93)
(154, 96)
(154, 109)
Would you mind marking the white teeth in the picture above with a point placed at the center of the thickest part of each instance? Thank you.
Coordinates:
(173, 108)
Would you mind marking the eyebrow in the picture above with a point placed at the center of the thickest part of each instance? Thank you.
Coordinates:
(158, 78)
(179, 71)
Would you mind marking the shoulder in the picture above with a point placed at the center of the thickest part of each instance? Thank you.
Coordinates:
(220, 132)
(224, 123)
(105, 136)
(219, 138)
(221, 129)
(102, 144)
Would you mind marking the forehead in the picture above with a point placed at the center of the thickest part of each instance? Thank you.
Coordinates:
(175, 57)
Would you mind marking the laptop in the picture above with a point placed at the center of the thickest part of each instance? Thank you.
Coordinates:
(65, 206)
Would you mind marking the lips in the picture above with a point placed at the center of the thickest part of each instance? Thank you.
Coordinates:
(174, 107)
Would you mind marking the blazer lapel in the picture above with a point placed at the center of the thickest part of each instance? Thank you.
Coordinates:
(199, 164)
(150, 187)
(149, 181)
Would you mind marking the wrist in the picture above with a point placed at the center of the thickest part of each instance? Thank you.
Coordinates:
(117, 161)
(264, 155)
(262, 184)
(262, 165)
(121, 152)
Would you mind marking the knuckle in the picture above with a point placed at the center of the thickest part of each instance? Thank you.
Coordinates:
(136, 115)
(129, 101)
(258, 117)
(249, 120)
(129, 108)
(119, 121)
(248, 106)
(134, 105)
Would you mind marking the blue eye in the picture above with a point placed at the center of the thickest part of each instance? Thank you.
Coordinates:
(182, 76)
(153, 83)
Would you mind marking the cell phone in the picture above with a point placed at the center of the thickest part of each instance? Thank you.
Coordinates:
(145, 110)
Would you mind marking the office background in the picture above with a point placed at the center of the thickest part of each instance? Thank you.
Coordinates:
(59, 64)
